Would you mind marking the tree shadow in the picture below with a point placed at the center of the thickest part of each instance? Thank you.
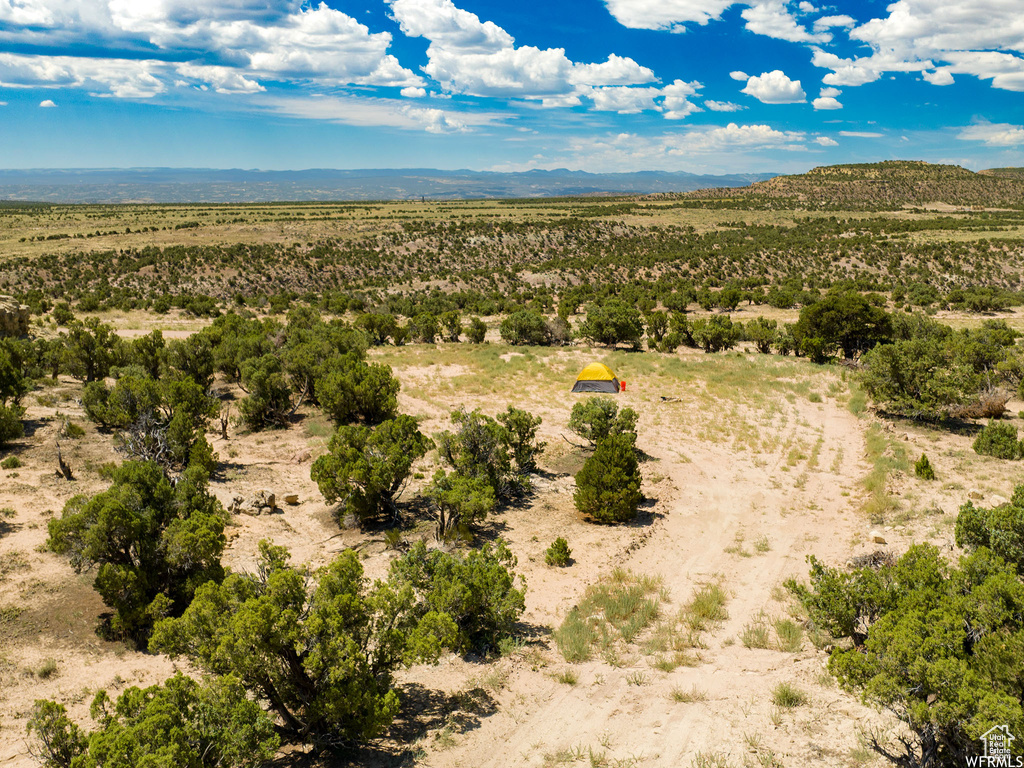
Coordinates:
(31, 426)
(951, 424)
(422, 711)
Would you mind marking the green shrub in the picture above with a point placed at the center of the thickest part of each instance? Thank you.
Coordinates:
(525, 327)
(482, 447)
(319, 648)
(558, 554)
(366, 468)
(349, 389)
(521, 437)
(787, 695)
(614, 322)
(999, 440)
(923, 468)
(935, 643)
(152, 543)
(1000, 529)
(11, 462)
(11, 427)
(477, 591)
(608, 486)
(715, 333)
(270, 397)
(596, 418)
(459, 502)
(477, 331)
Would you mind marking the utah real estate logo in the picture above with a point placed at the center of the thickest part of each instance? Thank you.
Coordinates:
(997, 754)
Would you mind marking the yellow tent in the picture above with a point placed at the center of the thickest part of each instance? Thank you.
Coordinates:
(596, 377)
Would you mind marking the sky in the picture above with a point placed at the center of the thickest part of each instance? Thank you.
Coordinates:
(704, 86)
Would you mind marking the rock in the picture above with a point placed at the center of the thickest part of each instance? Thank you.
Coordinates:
(301, 456)
(975, 494)
(13, 317)
(291, 498)
(877, 537)
(255, 505)
(997, 501)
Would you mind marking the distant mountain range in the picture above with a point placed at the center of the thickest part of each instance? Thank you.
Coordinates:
(180, 185)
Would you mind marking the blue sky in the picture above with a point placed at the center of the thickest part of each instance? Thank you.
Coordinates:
(707, 86)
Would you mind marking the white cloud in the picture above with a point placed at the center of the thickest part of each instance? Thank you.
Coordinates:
(763, 17)
(994, 134)
(773, 19)
(829, 22)
(862, 134)
(982, 38)
(826, 102)
(775, 88)
(3, 103)
(806, 7)
(738, 75)
(617, 70)
(392, 113)
(825, 141)
(414, 92)
(624, 100)
(255, 39)
(845, 72)
(830, 92)
(672, 100)
(712, 149)
(47, 103)
(478, 58)
(938, 77)
(671, 15)
(112, 77)
(223, 79)
(723, 106)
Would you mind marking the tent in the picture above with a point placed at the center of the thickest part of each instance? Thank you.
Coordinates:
(596, 377)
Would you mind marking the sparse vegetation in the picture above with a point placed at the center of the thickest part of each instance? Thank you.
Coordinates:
(558, 554)
(301, 320)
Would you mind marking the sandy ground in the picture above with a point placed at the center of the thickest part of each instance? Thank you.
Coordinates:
(729, 463)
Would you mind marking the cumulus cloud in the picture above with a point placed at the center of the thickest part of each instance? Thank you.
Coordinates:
(862, 134)
(110, 77)
(845, 72)
(723, 106)
(825, 141)
(230, 45)
(773, 19)
(764, 17)
(994, 134)
(830, 22)
(472, 57)
(775, 88)
(673, 101)
(223, 79)
(414, 92)
(983, 38)
(47, 103)
(671, 15)
(826, 102)
(739, 75)
(938, 77)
